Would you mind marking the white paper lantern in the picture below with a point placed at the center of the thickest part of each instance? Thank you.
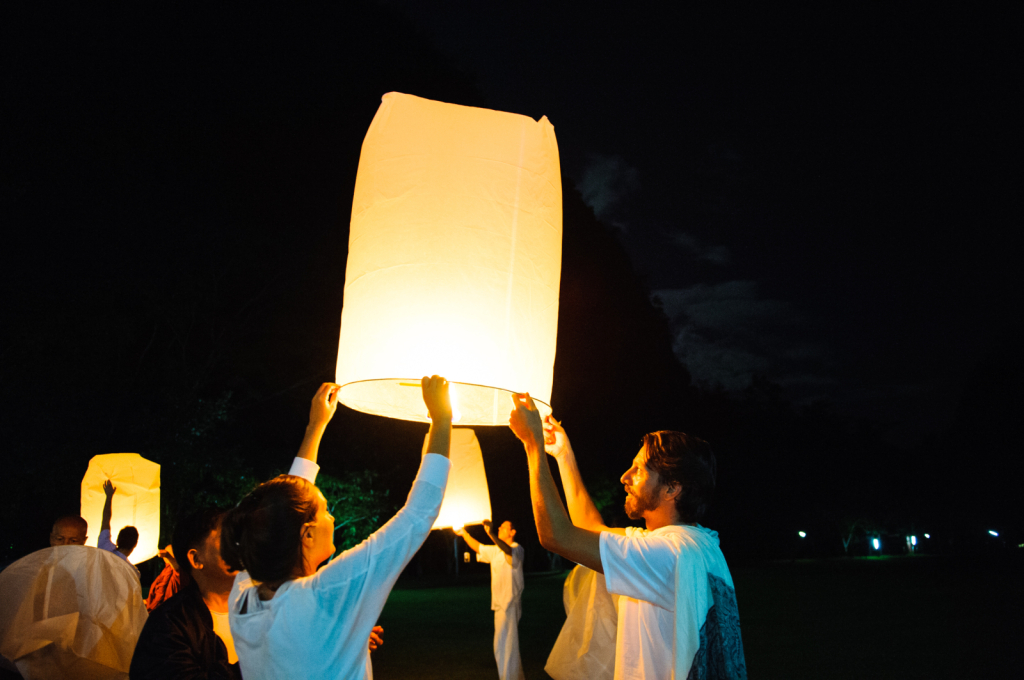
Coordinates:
(466, 497)
(71, 612)
(136, 501)
(454, 261)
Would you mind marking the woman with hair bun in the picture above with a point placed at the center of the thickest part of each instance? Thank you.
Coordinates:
(290, 620)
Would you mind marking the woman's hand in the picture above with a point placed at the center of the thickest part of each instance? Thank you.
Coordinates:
(375, 637)
(325, 403)
(435, 396)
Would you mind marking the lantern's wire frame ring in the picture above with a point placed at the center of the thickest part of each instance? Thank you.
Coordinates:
(402, 382)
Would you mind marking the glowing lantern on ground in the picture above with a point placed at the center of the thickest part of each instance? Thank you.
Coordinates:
(136, 500)
(466, 498)
(454, 261)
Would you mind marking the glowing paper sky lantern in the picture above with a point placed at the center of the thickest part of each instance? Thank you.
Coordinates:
(454, 261)
(466, 498)
(136, 501)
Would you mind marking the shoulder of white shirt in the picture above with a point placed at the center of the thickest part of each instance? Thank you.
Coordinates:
(670, 529)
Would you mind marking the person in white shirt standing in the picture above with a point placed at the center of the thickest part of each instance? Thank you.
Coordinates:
(290, 620)
(671, 577)
(506, 560)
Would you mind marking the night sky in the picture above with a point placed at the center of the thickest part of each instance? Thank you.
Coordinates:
(825, 197)
(823, 201)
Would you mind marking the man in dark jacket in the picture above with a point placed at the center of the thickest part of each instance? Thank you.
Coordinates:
(187, 637)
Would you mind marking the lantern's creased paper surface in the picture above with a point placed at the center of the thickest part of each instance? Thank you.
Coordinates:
(454, 261)
(71, 612)
(136, 500)
(466, 498)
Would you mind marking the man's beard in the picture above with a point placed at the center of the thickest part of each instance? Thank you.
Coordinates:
(637, 505)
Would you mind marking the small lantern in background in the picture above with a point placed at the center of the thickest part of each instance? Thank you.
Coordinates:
(454, 261)
(136, 501)
(466, 498)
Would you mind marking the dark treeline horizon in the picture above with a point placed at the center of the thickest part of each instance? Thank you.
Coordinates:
(175, 192)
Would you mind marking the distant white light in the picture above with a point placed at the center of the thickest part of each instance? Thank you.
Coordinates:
(994, 533)
(913, 540)
(927, 535)
(803, 534)
(876, 543)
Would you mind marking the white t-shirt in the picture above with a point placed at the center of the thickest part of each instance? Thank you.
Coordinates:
(506, 579)
(222, 628)
(318, 626)
(641, 568)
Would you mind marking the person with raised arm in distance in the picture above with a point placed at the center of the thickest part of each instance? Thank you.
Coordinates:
(291, 620)
(127, 537)
(677, 614)
(506, 560)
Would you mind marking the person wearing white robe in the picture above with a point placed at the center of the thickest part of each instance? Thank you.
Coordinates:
(669, 486)
(315, 624)
(506, 560)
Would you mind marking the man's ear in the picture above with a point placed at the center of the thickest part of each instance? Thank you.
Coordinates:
(194, 559)
(672, 491)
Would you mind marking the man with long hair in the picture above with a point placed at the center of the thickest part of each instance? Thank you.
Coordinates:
(677, 606)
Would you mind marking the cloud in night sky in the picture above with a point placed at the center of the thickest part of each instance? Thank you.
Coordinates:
(605, 183)
(726, 333)
(719, 255)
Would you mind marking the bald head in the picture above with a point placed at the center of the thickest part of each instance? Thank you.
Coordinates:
(69, 530)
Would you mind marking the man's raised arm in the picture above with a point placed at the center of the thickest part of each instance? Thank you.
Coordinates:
(473, 544)
(555, 531)
(502, 545)
(582, 510)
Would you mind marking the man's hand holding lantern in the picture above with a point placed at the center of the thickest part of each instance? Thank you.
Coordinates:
(526, 423)
(556, 443)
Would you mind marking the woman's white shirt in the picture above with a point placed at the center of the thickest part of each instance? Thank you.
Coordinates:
(319, 626)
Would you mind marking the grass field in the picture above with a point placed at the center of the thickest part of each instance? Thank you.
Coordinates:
(918, 617)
